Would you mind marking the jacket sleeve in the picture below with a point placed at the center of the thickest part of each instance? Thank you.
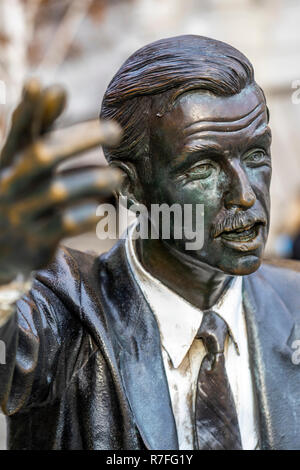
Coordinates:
(32, 346)
(45, 341)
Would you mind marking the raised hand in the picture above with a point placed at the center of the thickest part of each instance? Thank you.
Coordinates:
(38, 206)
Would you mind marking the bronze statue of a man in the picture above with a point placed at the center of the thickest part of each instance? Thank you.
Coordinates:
(153, 345)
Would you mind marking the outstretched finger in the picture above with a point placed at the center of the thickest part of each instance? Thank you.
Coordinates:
(20, 133)
(74, 220)
(52, 104)
(44, 155)
(66, 189)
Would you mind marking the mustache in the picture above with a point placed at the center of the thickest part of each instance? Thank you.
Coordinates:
(235, 220)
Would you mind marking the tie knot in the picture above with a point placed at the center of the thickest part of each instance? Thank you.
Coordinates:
(213, 331)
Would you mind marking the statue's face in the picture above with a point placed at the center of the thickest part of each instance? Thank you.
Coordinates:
(215, 151)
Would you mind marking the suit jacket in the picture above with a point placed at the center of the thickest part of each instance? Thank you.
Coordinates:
(84, 367)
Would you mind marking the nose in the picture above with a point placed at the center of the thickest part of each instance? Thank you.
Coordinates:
(240, 192)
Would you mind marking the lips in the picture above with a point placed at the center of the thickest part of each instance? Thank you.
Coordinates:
(241, 234)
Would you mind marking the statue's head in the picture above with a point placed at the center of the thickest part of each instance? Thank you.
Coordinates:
(196, 132)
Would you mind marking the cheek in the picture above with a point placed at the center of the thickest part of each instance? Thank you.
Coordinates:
(206, 191)
(260, 177)
(260, 182)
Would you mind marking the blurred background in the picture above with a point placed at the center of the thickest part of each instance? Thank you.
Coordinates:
(81, 44)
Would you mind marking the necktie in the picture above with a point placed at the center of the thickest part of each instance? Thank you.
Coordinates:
(216, 423)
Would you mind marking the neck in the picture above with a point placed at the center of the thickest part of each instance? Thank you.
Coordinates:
(197, 282)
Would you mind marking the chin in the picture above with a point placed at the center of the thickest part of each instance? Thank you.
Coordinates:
(242, 266)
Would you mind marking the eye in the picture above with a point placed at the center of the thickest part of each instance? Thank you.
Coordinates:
(200, 171)
(257, 158)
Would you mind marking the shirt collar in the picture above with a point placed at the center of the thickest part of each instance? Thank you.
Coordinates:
(177, 319)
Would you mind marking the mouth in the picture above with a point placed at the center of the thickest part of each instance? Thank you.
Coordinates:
(242, 234)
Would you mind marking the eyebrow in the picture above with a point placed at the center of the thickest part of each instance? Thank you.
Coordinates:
(204, 146)
(265, 133)
(192, 151)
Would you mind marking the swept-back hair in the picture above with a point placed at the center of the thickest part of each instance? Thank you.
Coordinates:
(173, 65)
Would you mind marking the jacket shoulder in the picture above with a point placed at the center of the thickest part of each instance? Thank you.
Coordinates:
(66, 265)
(64, 277)
(289, 264)
(281, 271)
(284, 276)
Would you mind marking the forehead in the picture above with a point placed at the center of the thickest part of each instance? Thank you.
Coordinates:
(201, 115)
(203, 105)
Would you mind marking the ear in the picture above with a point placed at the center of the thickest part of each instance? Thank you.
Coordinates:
(131, 187)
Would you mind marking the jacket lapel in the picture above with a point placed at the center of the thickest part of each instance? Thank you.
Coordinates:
(136, 342)
(271, 328)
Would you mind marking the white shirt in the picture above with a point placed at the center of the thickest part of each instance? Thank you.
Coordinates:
(178, 323)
